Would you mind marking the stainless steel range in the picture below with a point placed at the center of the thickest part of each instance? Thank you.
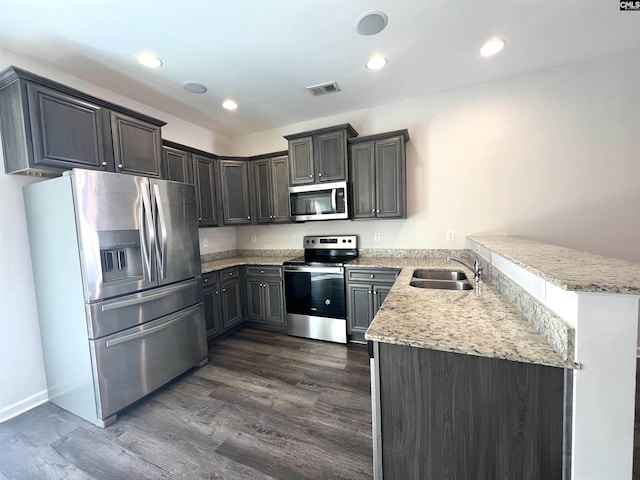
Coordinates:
(315, 288)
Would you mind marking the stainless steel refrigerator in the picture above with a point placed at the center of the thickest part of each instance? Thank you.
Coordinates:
(116, 265)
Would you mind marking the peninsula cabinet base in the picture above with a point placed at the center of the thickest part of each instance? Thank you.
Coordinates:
(454, 416)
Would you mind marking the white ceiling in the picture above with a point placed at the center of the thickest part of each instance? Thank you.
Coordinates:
(263, 53)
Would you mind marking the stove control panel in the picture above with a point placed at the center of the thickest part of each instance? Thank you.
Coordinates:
(334, 242)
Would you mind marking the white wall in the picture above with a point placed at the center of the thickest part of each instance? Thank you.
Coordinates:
(551, 155)
(22, 381)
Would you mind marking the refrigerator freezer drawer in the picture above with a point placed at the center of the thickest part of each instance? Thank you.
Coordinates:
(133, 363)
(118, 314)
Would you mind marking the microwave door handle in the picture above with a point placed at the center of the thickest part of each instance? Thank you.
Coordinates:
(146, 225)
(334, 200)
(161, 244)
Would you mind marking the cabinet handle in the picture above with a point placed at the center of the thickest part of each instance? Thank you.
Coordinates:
(104, 164)
(119, 165)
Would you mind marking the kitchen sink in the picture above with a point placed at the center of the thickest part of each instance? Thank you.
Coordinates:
(441, 284)
(439, 274)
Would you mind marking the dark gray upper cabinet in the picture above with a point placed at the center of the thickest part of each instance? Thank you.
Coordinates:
(270, 187)
(137, 146)
(366, 290)
(234, 190)
(177, 165)
(378, 175)
(319, 155)
(47, 127)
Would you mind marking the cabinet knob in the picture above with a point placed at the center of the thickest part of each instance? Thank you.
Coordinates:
(224, 290)
(217, 292)
(373, 276)
(231, 274)
(373, 211)
(199, 219)
(261, 271)
(120, 165)
(369, 292)
(248, 218)
(206, 280)
(104, 164)
(375, 293)
(319, 174)
(378, 211)
(310, 176)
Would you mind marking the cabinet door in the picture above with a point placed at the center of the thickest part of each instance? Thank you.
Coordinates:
(206, 198)
(330, 154)
(390, 178)
(274, 302)
(280, 190)
(137, 146)
(359, 309)
(363, 180)
(380, 292)
(262, 191)
(234, 181)
(66, 132)
(231, 306)
(212, 311)
(301, 163)
(177, 165)
(255, 304)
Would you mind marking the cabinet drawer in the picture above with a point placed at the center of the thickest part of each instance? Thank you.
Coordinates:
(369, 275)
(264, 271)
(229, 274)
(209, 280)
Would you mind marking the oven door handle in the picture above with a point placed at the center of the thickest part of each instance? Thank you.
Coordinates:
(302, 269)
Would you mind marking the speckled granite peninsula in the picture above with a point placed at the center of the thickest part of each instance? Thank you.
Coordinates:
(568, 269)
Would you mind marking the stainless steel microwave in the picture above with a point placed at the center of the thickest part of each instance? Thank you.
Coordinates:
(324, 201)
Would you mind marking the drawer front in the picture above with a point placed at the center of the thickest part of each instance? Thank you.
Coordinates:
(209, 279)
(370, 275)
(264, 271)
(229, 274)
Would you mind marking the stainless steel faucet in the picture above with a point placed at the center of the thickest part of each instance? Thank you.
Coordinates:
(478, 268)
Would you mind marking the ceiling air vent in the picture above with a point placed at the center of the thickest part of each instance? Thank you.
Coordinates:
(324, 88)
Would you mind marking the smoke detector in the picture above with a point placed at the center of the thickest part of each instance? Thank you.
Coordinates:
(324, 88)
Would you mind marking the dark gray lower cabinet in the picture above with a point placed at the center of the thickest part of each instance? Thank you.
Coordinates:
(448, 415)
(265, 297)
(223, 300)
(366, 290)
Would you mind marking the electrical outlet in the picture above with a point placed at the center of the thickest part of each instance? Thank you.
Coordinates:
(376, 237)
(451, 235)
(254, 239)
(205, 242)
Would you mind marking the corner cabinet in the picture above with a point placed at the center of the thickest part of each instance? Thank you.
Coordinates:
(234, 192)
(319, 155)
(265, 297)
(270, 187)
(378, 175)
(184, 164)
(47, 128)
(366, 290)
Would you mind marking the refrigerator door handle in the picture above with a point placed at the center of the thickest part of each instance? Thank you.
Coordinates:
(162, 242)
(146, 225)
(147, 297)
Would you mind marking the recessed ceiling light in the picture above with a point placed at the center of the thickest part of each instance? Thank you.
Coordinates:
(148, 59)
(492, 46)
(229, 104)
(370, 23)
(194, 87)
(376, 62)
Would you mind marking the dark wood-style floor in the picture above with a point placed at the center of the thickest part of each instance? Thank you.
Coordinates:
(267, 406)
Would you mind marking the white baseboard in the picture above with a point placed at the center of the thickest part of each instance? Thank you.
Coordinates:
(23, 405)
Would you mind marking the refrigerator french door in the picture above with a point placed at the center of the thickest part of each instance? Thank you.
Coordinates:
(116, 267)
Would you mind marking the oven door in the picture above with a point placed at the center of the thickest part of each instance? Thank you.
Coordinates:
(315, 291)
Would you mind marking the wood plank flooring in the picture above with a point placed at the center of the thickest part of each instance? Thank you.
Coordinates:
(267, 406)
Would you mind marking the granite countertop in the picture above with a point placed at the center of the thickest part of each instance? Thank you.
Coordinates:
(566, 268)
(455, 321)
(242, 260)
